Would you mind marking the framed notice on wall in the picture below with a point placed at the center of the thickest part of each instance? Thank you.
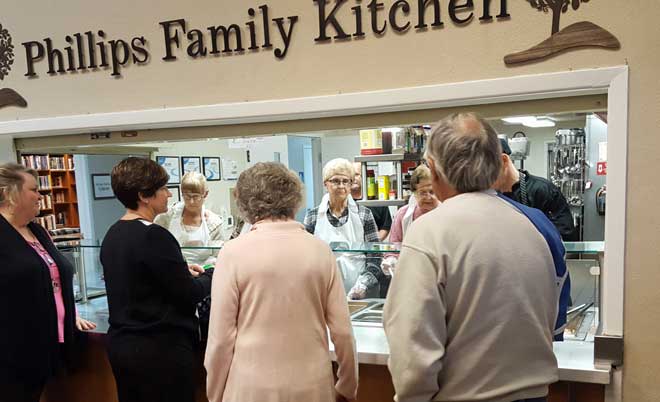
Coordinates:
(211, 168)
(191, 164)
(172, 167)
(176, 196)
(101, 187)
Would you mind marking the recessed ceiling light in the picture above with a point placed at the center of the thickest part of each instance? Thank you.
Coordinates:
(530, 121)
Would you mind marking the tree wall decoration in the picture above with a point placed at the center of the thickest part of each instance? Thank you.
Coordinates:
(577, 35)
(8, 97)
(558, 7)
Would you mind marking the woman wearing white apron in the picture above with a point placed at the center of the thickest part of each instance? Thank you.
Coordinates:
(422, 201)
(194, 226)
(339, 220)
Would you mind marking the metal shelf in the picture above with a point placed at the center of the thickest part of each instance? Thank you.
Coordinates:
(388, 157)
(382, 203)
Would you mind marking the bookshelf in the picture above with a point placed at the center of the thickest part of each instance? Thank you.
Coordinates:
(57, 185)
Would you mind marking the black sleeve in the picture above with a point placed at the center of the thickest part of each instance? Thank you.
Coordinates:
(382, 217)
(559, 212)
(170, 270)
(387, 219)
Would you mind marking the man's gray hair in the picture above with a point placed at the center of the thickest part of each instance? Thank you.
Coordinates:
(466, 152)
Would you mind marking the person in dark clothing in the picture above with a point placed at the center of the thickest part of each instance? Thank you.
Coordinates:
(381, 215)
(152, 292)
(37, 309)
(536, 192)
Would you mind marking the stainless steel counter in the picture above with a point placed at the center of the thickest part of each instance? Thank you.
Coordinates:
(575, 358)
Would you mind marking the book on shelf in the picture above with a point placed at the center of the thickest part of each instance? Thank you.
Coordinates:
(44, 183)
(57, 163)
(47, 221)
(46, 162)
(57, 181)
(38, 162)
(60, 219)
(46, 202)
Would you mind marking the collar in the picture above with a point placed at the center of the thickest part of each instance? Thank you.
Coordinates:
(277, 226)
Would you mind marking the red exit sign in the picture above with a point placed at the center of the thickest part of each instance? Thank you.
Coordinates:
(601, 168)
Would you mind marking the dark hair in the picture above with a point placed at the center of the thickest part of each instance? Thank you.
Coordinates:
(134, 177)
(268, 190)
(506, 149)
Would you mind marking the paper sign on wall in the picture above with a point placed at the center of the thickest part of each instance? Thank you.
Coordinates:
(229, 169)
(602, 151)
(601, 168)
(238, 143)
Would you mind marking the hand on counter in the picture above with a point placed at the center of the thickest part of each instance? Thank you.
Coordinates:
(357, 292)
(84, 325)
(195, 270)
(388, 265)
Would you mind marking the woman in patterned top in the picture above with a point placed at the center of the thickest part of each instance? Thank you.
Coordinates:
(339, 221)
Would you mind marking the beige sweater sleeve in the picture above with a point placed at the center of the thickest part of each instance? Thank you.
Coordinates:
(341, 333)
(222, 331)
(414, 321)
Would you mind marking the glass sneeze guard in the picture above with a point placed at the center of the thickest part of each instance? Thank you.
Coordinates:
(89, 272)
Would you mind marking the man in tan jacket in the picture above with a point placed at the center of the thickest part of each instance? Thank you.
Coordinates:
(471, 311)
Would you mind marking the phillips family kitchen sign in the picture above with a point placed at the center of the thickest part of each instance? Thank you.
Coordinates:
(338, 20)
(91, 50)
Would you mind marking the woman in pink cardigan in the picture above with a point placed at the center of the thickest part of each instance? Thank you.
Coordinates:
(276, 296)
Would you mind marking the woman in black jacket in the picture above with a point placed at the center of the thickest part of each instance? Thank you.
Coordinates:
(152, 293)
(37, 309)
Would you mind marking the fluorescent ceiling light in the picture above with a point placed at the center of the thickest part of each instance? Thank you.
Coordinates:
(530, 121)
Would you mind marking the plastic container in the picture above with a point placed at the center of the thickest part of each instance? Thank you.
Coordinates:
(371, 142)
(383, 188)
(372, 186)
(387, 142)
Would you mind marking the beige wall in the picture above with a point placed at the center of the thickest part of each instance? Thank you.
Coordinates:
(451, 54)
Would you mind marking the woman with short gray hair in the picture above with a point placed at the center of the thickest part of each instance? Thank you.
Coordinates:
(339, 219)
(275, 295)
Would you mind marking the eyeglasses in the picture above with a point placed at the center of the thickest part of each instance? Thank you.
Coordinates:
(338, 182)
(192, 197)
(424, 194)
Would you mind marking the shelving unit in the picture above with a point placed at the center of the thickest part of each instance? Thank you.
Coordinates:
(398, 160)
(57, 184)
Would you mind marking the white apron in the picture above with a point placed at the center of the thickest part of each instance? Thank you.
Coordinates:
(350, 265)
(408, 217)
(200, 237)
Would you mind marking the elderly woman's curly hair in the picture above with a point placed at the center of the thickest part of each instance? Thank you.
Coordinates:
(268, 190)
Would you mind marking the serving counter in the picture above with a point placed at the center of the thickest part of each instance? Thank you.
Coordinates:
(579, 379)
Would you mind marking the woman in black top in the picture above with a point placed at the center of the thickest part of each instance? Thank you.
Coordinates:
(37, 311)
(152, 293)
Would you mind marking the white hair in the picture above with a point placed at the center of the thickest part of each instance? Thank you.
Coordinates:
(195, 182)
(338, 166)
